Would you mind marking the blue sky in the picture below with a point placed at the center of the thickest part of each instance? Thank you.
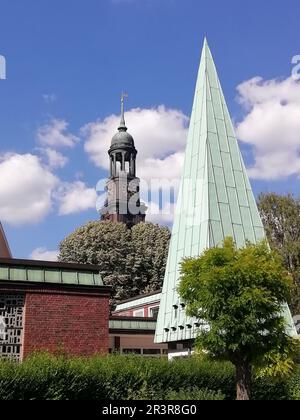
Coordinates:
(67, 63)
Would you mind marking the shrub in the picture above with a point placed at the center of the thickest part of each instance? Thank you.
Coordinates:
(194, 394)
(46, 377)
(294, 385)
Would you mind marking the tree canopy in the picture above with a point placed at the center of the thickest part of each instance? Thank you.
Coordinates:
(281, 218)
(132, 261)
(237, 295)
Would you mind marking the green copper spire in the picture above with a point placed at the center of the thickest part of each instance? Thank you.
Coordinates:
(215, 198)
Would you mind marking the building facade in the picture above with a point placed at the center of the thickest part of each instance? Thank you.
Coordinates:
(132, 326)
(133, 335)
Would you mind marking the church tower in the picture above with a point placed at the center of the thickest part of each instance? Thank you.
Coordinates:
(123, 187)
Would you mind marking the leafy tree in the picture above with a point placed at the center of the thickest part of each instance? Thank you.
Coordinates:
(237, 295)
(132, 261)
(150, 252)
(281, 218)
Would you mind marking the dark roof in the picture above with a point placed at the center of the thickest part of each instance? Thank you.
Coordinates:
(122, 139)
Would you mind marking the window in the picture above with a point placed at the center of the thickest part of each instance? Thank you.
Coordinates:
(151, 351)
(154, 312)
(132, 351)
(139, 313)
(11, 326)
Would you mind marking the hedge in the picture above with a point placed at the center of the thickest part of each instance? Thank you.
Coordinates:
(45, 377)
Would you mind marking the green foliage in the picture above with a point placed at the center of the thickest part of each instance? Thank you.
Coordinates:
(151, 247)
(132, 261)
(293, 385)
(238, 294)
(278, 365)
(194, 394)
(45, 377)
(281, 218)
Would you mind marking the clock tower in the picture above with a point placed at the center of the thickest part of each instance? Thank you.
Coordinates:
(123, 187)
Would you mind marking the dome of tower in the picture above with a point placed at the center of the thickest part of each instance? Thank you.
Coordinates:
(122, 138)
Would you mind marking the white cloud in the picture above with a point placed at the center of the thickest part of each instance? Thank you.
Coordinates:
(162, 216)
(271, 126)
(42, 254)
(55, 134)
(163, 169)
(55, 159)
(49, 98)
(26, 189)
(160, 137)
(75, 197)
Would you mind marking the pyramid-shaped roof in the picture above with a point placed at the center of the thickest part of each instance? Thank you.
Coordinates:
(215, 197)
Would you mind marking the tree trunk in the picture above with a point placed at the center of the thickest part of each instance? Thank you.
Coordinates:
(243, 381)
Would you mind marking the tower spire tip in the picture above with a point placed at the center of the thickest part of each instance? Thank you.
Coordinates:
(122, 122)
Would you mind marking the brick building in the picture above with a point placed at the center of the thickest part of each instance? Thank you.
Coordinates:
(54, 307)
(65, 308)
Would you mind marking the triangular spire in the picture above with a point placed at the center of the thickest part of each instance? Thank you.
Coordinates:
(215, 197)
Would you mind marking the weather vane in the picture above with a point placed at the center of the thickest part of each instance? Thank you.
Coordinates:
(123, 96)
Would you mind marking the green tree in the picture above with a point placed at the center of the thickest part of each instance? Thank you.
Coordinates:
(132, 261)
(237, 295)
(281, 218)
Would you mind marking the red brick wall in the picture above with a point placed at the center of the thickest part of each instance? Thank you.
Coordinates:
(76, 324)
